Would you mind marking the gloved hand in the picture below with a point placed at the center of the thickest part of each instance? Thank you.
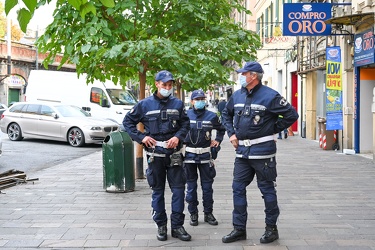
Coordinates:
(215, 151)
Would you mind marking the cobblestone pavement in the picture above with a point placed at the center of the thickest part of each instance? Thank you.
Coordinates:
(327, 201)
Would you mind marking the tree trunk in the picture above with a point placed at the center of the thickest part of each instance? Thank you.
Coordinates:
(139, 149)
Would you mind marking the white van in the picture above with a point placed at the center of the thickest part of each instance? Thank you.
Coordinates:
(100, 99)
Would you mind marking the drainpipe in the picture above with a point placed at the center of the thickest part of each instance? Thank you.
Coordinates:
(9, 43)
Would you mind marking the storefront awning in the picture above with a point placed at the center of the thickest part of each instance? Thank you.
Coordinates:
(350, 19)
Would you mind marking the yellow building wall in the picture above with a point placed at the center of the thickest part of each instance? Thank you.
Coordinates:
(310, 101)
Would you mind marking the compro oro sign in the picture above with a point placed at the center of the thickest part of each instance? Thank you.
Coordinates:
(306, 19)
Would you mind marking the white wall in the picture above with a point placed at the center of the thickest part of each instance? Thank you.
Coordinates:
(366, 121)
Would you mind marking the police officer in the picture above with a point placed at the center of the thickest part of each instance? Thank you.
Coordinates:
(251, 120)
(200, 152)
(166, 126)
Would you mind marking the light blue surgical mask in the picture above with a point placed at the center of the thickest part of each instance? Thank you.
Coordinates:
(165, 92)
(199, 104)
(243, 81)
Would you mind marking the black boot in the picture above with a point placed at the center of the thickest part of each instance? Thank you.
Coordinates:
(271, 234)
(194, 220)
(162, 233)
(210, 218)
(236, 234)
(181, 234)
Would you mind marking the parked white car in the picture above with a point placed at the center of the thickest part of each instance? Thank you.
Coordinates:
(54, 121)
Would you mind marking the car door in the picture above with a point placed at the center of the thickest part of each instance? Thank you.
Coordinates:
(49, 126)
(28, 119)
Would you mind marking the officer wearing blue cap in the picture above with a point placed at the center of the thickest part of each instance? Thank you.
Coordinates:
(251, 120)
(200, 152)
(166, 126)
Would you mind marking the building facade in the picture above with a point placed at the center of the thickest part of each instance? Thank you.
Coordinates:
(15, 66)
(295, 66)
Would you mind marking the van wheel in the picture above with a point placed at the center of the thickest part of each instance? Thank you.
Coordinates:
(76, 137)
(14, 132)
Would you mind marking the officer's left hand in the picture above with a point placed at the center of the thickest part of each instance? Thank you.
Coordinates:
(173, 142)
(214, 143)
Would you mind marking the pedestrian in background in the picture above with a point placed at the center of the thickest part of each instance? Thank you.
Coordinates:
(221, 106)
(200, 152)
(251, 120)
(285, 131)
(166, 126)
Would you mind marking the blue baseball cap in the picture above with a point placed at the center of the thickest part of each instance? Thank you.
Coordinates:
(164, 76)
(197, 94)
(251, 66)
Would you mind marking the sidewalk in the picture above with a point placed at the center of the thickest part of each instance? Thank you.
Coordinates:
(327, 201)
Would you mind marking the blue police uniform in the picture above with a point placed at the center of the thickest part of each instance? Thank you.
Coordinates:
(199, 155)
(253, 117)
(162, 119)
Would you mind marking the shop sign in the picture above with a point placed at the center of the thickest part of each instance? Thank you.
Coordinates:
(306, 19)
(15, 81)
(364, 48)
(334, 88)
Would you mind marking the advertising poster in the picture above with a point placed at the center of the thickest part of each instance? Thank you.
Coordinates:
(334, 89)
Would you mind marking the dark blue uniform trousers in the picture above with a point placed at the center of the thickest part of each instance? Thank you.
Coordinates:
(207, 174)
(157, 173)
(243, 174)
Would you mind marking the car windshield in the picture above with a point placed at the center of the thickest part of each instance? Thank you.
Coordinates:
(71, 111)
(121, 97)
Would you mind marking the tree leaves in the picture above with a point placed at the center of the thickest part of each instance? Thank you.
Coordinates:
(9, 4)
(192, 39)
(23, 17)
(108, 3)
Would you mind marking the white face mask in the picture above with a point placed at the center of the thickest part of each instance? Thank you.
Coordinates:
(243, 81)
(165, 92)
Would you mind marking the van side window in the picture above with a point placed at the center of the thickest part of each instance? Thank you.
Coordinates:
(98, 96)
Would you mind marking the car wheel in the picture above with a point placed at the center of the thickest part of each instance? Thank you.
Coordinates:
(14, 132)
(76, 137)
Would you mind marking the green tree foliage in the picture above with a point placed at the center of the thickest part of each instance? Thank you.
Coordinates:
(129, 40)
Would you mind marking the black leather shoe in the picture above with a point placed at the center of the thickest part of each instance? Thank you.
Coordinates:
(181, 234)
(210, 218)
(271, 234)
(236, 234)
(162, 233)
(194, 220)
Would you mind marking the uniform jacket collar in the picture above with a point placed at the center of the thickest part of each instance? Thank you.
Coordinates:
(243, 89)
(164, 100)
(199, 112)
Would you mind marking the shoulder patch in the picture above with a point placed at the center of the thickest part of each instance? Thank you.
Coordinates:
(283, 102)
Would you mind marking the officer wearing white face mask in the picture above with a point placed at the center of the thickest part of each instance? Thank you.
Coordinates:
(166, 126)
(251, 118)
(200, 152)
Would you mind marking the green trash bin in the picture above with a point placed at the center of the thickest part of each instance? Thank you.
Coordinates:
(118, 163)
